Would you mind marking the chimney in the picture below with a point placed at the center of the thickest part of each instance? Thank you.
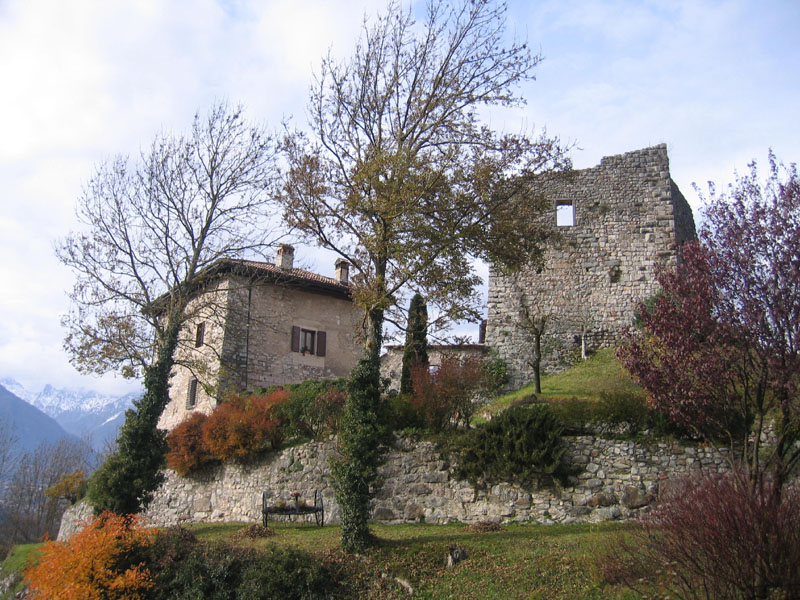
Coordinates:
(284, 257)
(342, 272)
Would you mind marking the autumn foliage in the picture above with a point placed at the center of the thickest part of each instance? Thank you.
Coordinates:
(94, 563)
(719, 351)
(238, 428)
(714, 537)
(446, 395)
(187, 447)
(242, 426)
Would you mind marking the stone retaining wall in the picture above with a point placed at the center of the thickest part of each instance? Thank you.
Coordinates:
(615, 479)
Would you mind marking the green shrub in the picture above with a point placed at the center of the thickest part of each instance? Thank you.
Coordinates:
(286, 573)
(402, 413)
(495, 372)
(618, 413)
(519, 445)
(623, 410)
(314, 407)
(186, 568)
(575, 415)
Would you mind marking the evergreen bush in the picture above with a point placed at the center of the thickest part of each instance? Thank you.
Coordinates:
(519, 445)
(361, 442)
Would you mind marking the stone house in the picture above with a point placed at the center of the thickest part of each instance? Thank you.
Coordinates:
(258, 324)
(617, 222)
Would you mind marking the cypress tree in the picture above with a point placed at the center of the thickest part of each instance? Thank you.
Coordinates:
(416, 348)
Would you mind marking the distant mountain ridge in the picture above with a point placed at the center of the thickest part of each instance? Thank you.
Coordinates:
(86, 414)
(29, 425)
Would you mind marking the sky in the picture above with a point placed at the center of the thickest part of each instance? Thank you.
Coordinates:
(85, 80)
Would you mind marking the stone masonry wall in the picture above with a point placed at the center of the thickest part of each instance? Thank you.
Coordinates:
(392, 360)
(615, 479)
(629, 217)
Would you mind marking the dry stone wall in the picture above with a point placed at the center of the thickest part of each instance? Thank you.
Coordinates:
(614, 480)
(628, 218)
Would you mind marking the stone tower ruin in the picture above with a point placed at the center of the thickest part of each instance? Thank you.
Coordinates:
(617, 222)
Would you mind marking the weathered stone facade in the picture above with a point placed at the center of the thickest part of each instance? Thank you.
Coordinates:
(614, 480)
(392, 359)
(252, 318)
(628, 217)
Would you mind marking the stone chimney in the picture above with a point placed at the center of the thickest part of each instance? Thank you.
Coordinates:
(284, 257)
(342, 273)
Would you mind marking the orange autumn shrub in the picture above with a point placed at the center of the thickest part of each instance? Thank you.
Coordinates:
(243, 426)
(187, 447)
(96, 563)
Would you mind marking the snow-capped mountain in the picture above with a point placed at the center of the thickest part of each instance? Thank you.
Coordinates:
(28, 426)
(85, 413)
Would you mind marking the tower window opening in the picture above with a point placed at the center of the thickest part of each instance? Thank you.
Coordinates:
(565, 214)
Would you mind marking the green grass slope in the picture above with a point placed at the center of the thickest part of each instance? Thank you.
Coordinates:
(587, 380)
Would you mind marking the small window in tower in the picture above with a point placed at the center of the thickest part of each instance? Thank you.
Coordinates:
(565, 214)
(191, 396)
(200, 335)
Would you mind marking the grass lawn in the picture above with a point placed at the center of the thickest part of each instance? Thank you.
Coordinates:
(587, 380)
(522, 561)
(17, 558)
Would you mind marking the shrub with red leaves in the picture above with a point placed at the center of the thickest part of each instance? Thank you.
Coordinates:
(243, 426)
(187, 448)
(446, 395)
(716, 537)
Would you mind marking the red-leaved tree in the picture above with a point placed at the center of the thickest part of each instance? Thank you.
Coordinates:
(719, 350)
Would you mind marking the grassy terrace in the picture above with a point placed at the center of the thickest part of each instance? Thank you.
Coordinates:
(587, 380)
(523, 561)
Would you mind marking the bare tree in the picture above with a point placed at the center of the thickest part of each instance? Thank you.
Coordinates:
(8, 439)
(27, 514)
(400, 178)
(533, 321)
(152, 231)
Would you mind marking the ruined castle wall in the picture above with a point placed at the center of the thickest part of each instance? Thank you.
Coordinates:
(629, 217)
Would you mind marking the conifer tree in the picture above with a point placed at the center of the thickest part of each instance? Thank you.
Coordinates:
(416, 348)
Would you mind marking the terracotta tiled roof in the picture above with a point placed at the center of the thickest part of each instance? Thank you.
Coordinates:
(299, 277)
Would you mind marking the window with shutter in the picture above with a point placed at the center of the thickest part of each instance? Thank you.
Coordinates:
(321, 343)
(295, 339)
(191, 396)
(309, 341)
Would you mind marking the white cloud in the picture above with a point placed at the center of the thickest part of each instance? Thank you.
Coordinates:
(83, 80)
